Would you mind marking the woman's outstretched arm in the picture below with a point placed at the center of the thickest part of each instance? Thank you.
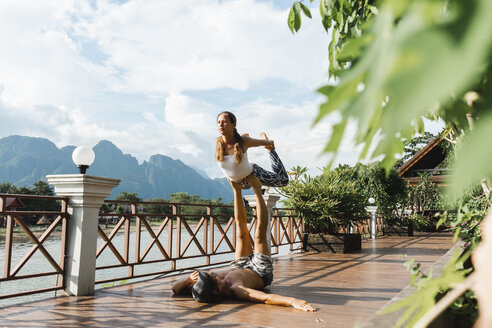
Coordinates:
(252, 142)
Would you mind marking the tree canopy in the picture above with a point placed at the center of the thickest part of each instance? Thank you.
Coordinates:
(39, 187)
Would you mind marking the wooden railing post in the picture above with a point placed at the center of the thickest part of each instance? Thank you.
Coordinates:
(86, 194)
(176, 213)
(138, 236)
(270, 201)
(276, 229)
(208, 242)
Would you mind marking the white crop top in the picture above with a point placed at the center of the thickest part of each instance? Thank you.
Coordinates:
(235, 171)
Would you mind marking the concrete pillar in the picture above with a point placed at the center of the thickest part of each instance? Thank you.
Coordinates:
(372, 211)
(86, 195)
(270, 201)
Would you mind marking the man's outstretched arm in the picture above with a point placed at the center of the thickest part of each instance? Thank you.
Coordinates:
(183, 287)
(254, 295)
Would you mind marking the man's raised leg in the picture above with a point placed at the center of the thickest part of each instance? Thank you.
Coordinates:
(243, 243)
(261, 241)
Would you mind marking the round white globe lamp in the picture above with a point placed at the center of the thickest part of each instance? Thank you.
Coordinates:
(371, 200)
(83, 157)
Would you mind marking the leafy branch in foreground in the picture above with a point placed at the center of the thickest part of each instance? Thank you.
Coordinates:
(411, 59)
(343, 18)
(428, 289)
(414, 59)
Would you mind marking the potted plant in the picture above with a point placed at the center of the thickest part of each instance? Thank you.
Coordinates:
(327, 203)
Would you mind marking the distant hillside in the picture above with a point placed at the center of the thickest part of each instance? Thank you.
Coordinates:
(24, 160)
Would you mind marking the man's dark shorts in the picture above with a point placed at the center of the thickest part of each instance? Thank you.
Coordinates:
(260, 263)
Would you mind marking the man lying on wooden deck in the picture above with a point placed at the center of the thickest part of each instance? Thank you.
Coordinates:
(251, 272)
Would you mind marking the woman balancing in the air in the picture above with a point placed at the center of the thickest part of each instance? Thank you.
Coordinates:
(252, 269)
(231, 155)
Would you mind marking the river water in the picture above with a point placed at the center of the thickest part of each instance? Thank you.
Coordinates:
(38, 263)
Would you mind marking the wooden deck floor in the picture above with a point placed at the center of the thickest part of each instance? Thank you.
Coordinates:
(346, 289)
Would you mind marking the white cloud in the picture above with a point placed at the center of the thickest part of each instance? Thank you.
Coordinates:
(39, 63)
(189, 114)
(77, 72)
(197, 44)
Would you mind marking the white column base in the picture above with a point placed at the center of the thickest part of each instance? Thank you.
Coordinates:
(372, 211)
(270, 201)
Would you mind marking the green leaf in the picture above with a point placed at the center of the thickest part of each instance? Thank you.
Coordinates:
(374, 10)
(335, 139)
(332, 51)
(474, 157)
(325, 8)
(423, 299)
(294, 19)
(336, 98)
(297, 15)
(291, 21)
(352, 48)
(305, 10)
(326, 22)
(409, 264)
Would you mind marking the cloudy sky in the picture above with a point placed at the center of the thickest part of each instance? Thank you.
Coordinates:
(152, 75)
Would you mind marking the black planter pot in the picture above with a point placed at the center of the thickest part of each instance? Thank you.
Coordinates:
(410, 229)
(337, 243)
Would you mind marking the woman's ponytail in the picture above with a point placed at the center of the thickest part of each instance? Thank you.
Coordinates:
(219, 149)
(238, 146)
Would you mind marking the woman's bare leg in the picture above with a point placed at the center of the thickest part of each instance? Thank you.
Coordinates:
(243, 244)
(261, 241)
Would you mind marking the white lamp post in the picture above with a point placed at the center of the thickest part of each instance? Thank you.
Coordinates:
(86, 194)
(372, 210)
(83, 157)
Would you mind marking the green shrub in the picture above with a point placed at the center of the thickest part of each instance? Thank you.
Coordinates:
(388, 189)
(326, 202)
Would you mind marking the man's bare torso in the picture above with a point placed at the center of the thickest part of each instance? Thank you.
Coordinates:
(239, 277)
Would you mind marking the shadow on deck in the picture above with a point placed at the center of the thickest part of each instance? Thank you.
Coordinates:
(346, 289)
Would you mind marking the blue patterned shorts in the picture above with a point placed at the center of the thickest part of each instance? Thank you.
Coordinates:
(260, 263)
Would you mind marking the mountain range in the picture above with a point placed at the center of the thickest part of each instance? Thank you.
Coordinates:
(24, 160)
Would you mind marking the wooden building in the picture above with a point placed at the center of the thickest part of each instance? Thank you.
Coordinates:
(427, 160)
(11, 204)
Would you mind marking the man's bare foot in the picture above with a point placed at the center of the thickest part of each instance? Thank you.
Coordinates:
(269, 147)
(236, 186)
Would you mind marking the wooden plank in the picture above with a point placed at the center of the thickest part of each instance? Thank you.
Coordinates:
(346, 288)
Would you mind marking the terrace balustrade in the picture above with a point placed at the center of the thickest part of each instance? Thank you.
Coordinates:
(133, 242)
(178, 241)
(183, 241)
(56, 229)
